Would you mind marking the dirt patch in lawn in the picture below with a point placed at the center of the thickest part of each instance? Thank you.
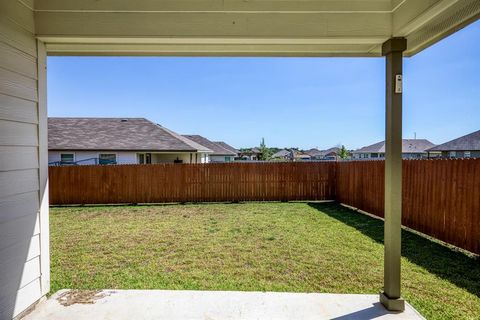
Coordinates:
(70, 297)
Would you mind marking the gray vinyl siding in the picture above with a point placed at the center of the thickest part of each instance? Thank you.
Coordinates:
(20, 236)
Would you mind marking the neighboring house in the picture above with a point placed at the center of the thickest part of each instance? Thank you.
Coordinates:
(328, 154)
(313, 152)
(219, 153)
(282, 155)
(411, 149)
(467, 146)
(118, 141)
(228, 147)
(252, 154)
(292, 155)
(296, 155)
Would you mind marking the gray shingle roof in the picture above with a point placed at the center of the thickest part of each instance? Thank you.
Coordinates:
(281, 154)
(469, 142)
(135, 134)
(227, 146)
(299, 154)
(408, 146)
(217, 149)
(322, 153)
(313, 152)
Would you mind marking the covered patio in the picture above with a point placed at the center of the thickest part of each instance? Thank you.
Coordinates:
(164, 304)
(32, 29)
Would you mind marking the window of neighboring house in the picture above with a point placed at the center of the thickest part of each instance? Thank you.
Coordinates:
(107, 158)
(228, 159)
(452, 154)
(144, 158)
(467, 154)
(141, 158)
(67, 158)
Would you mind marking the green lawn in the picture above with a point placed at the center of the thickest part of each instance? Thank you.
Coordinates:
(297, 247)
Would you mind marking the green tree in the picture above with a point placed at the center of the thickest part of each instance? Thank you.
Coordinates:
(265, 153)
(343, 152)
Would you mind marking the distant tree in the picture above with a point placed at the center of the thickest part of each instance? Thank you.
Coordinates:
(265, 152)
(343, 152)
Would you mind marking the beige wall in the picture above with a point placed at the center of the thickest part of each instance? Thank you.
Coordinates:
(23, 174)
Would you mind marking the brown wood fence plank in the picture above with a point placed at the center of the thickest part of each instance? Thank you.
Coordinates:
(159, 183)
(441, 198)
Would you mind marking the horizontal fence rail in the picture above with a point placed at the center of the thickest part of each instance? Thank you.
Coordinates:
(157, 183)
(441, 198)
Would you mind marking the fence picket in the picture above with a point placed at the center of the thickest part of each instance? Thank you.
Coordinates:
(441, 198)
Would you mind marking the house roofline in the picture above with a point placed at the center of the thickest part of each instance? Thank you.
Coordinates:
(135, 150)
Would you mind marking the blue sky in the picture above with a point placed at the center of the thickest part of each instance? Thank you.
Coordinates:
(303, 102)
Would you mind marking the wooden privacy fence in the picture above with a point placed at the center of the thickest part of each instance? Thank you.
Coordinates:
(441, 198)
(192, 183)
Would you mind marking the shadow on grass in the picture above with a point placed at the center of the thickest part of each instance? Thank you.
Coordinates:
(454, 266)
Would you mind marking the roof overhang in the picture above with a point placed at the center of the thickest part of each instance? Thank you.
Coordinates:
(245, 27)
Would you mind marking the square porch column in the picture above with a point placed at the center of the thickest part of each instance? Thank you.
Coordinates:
(393, 51)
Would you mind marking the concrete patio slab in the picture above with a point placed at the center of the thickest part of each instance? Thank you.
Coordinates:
(210, 305)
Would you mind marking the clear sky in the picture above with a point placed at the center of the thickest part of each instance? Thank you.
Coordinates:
(292, 102)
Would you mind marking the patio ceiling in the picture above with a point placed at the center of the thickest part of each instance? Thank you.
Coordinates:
(245, 27)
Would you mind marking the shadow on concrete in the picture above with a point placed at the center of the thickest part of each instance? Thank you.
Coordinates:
(375, 311)
(447, 263)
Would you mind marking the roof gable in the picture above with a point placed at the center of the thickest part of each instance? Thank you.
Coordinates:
(469, 142)
(227, 146)
(217, 149)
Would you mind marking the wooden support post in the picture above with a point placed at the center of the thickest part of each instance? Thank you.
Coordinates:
(393, 51)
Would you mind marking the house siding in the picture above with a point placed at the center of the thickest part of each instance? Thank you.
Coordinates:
(405, 155)
(461, 154)
(123, 157)
(221, 158)
(184, 157)
(23, 179)
(127, 157)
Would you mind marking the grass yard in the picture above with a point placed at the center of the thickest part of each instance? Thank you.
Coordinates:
(298, 247)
